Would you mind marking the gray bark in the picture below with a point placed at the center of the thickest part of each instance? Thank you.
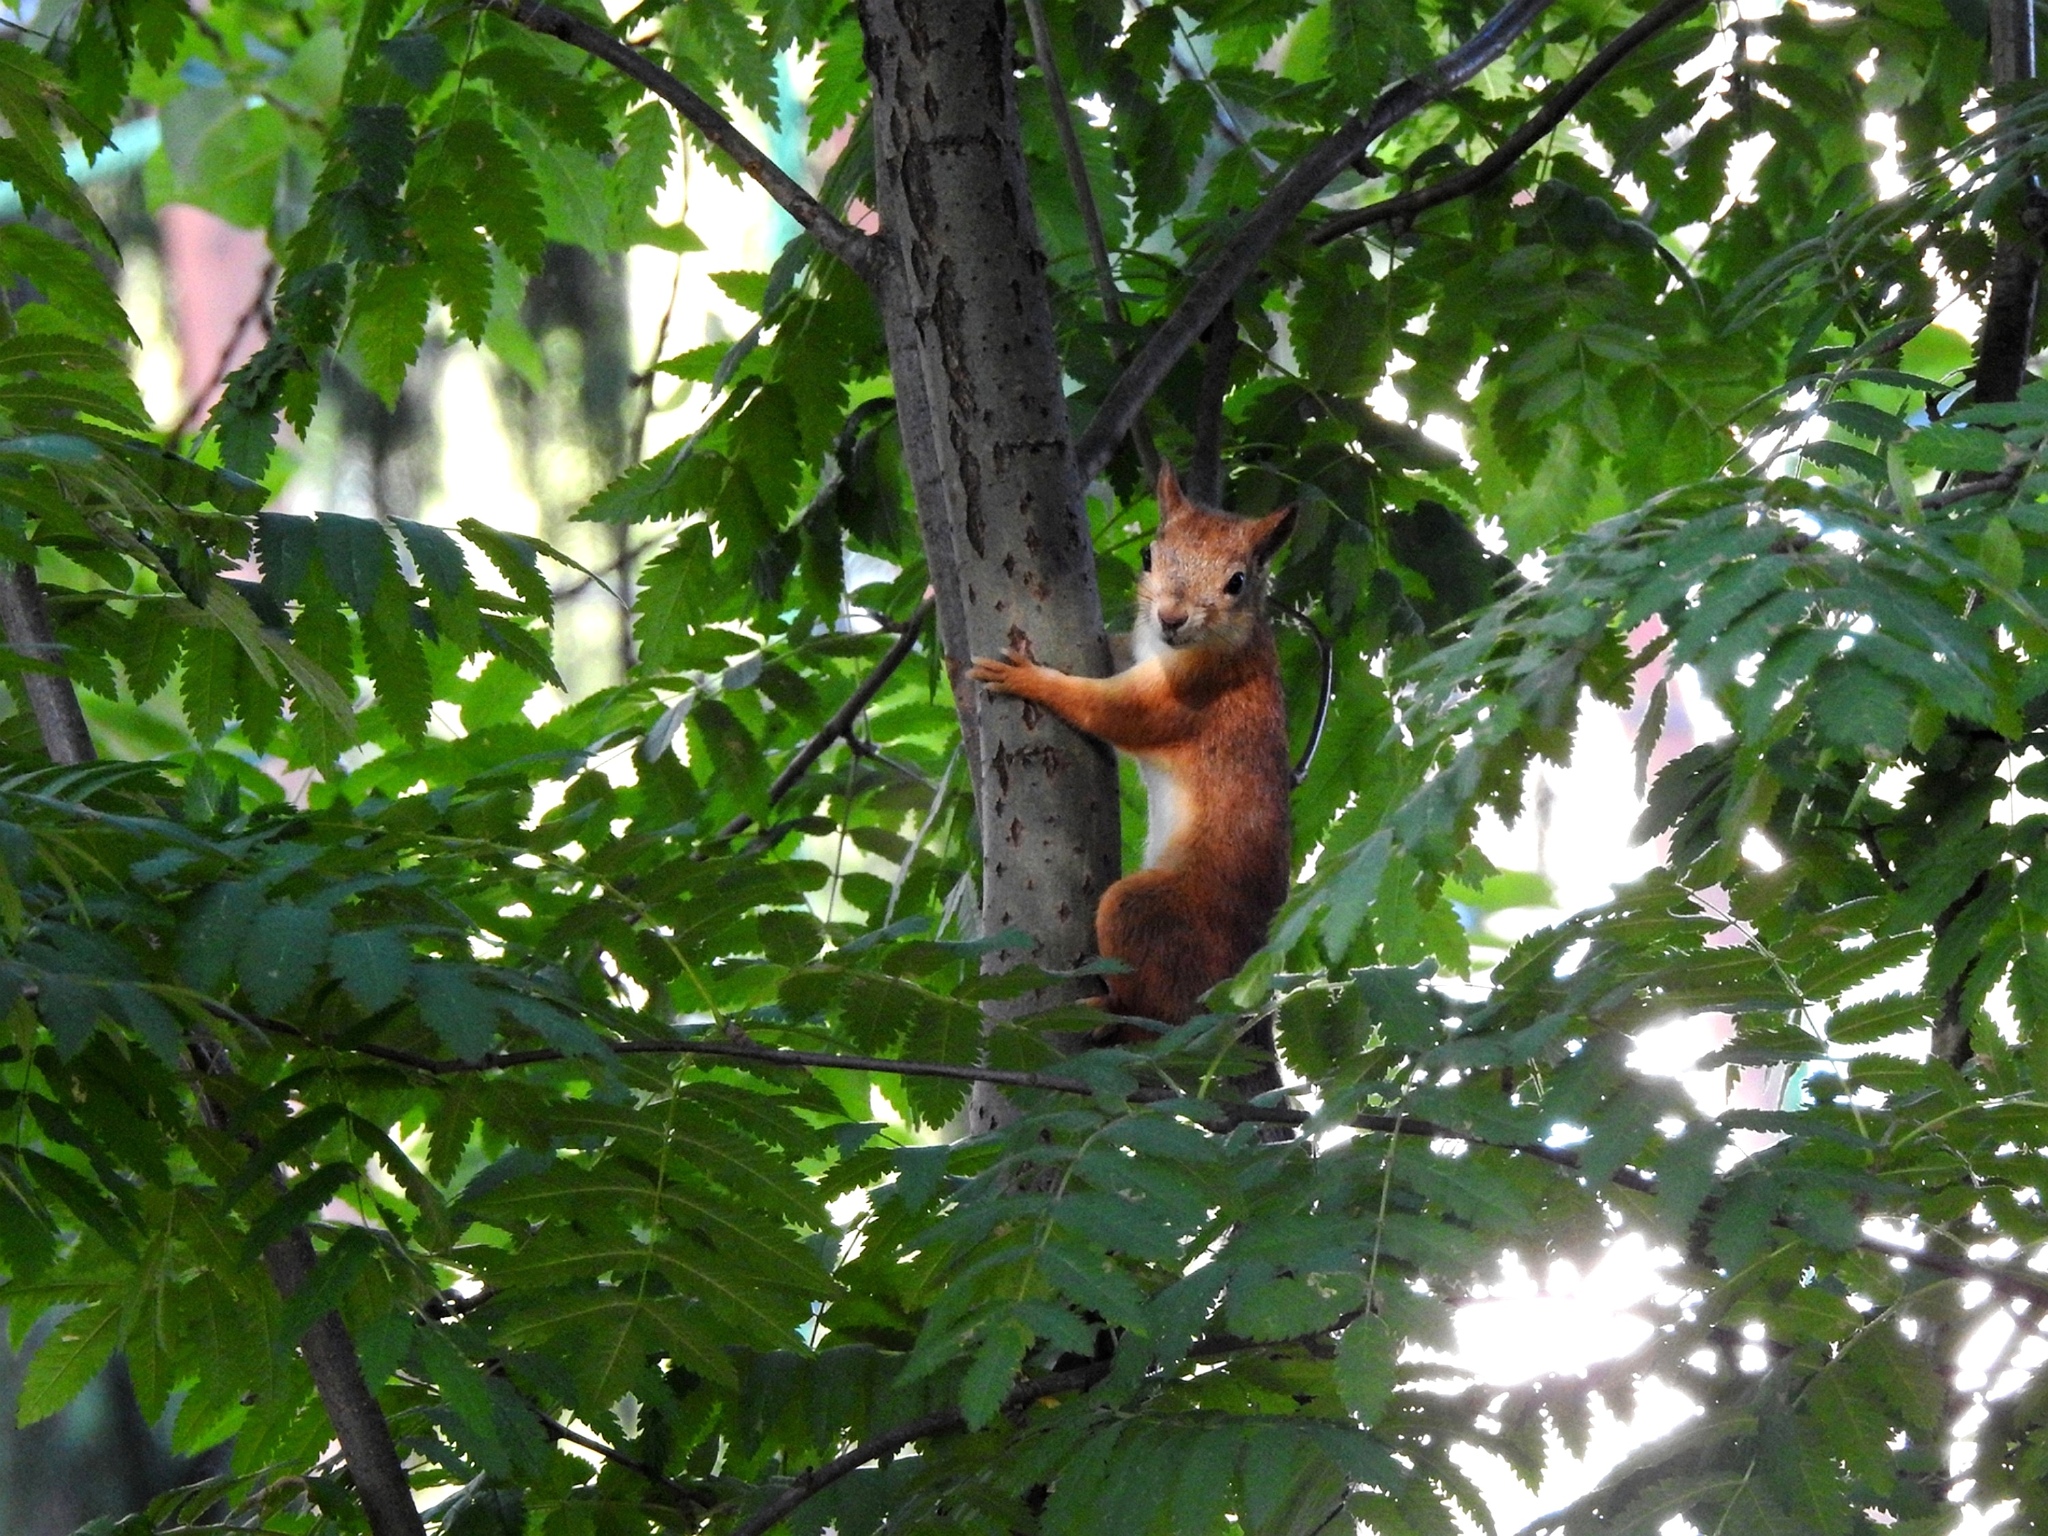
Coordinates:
(352, 1408)
(25, 620)
(934, 522)
(2007, 339)
(957, 224)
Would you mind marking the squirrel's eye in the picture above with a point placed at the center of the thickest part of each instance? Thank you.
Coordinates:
(1235, 585)
(1145, 559)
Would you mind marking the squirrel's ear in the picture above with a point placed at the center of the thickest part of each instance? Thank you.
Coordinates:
(1270, 532)
(1171, 500)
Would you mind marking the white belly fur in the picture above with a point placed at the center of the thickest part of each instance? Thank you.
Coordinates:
(1166, 810)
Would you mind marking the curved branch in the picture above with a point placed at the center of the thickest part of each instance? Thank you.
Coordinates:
(831, 232)
(1240, 254)
(1533, 131)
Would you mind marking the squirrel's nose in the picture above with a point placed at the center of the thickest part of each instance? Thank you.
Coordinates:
(1170, 621)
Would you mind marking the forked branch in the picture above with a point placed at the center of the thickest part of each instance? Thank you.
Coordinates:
(1538, 126)
(831, 232)
(842, 721)
(1240, 254)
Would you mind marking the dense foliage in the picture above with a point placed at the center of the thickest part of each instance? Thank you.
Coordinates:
(609, 1063)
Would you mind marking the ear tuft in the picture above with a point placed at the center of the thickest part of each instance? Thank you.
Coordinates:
(1172, 501)
(1270, 532)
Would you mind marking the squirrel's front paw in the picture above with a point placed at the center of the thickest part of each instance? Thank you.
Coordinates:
(999, 676)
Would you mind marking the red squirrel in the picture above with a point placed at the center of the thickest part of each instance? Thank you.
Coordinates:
(1201, 710)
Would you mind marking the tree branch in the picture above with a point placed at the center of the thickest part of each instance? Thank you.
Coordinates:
(2003, 1279)
(1055, 1384)
(25, 621)
(2007, 338)
(842, 720)
(1240, 254)
(736, 1050)
(682, 1493)
(831, 232)
(352, 1409)
(1204, 480)
(1084, 198)
(1537, 127)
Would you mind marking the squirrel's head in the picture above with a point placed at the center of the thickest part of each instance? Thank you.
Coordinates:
(1204, 582)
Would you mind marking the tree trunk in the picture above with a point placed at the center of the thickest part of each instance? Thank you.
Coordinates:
(969, 275)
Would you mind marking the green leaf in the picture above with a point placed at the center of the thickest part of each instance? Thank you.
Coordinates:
(1956, 448)
(517, 560)
(389, 321)
(455, 1008)
(500, 187)
(988, 1379)
(398, 661)
(284, 950)
(373, 965)
(356, 553)
(1365, 1368)
(69, 1357)
(207, 690)
(456, 258)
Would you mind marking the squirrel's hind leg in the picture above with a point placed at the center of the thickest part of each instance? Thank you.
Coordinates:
(1156, 923)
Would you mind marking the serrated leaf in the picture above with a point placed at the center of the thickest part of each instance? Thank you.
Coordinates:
(1365, 1368)
(388, 321)
(517, 560)
(455, 1008)
(988, 1379)
(373, 965)
(500, 186)
(398, 662)
(357, 557)
(284, 950)
(455, 256)
(207, 688)
(73, 1353)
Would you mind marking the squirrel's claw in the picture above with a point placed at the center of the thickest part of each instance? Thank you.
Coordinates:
(995, 675)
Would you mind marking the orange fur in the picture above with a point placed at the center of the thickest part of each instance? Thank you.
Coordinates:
(1202, 712)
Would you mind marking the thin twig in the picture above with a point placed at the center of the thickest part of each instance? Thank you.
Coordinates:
(842, 721)
(736, 1050)
(683, 1494)
(924, 830)
(2001, 1278)
(1241, 253)
(1328, 653)
(258, 311)
(833, 234)
(2004, 480)
(1533, 131)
